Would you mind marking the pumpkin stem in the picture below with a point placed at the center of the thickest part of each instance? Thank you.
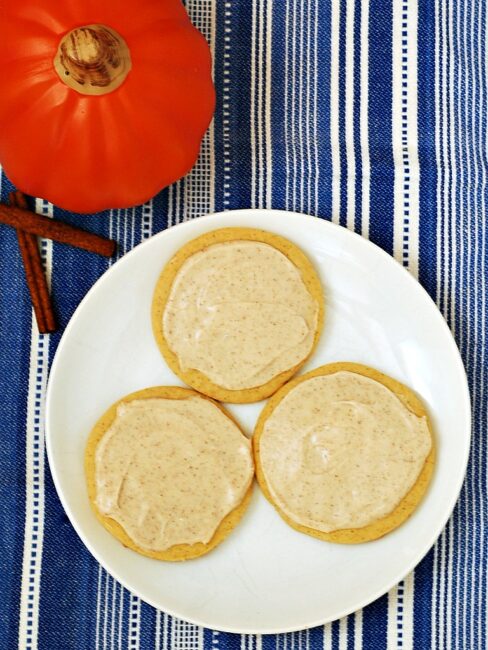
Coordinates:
(94, 60)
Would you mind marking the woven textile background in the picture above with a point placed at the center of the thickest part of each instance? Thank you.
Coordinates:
(372, 114)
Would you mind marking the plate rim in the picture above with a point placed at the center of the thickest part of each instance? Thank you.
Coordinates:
(466, 401)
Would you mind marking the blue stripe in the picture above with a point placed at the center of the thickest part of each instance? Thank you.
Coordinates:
(423, 602)
(375, 618)
(426, 131)
(351, 632)
(335, 635)
(380, 124)
(324, 158)
(427, 258)
(148, 625)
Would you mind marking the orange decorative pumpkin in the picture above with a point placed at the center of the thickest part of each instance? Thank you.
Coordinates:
(102, 102)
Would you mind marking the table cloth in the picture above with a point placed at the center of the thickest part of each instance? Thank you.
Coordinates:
(371, 114)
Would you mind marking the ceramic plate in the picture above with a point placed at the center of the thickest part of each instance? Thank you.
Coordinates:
(265, 577)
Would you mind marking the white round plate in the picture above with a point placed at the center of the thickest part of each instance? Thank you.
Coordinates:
(265, 577)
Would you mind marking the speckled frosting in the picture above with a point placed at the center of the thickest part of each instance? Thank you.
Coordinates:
(240, 313)
(170, 470)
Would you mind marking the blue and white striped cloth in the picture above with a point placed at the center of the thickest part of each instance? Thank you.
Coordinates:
(370, 113)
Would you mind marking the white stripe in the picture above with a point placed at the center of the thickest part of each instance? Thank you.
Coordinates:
(134, 622)
(177, 202)
(358, 630)
(301, 110)
(349, 111)
(406, 193)
(315, 109)
(406, 229)
(408, 611)
(364, 121)
(259, 117)
(157, 633)
(190, 184)
(334, 109)
(400, 616)
(327, 637)
(252, 116)
(226, 104)
(143, 225)
(30, 587)
(293, 134)
(173, 636)
(454, 217)
(472, 178)
(268, 114)
(412, 107)
(447, 179)
(308, 111)
(343, 633)
(147, 219)
(391, 631)
(123, 220)
(165, 629)
(405, 152)
(169, 215)
(286, 107)
(438, 161)
(211, 129)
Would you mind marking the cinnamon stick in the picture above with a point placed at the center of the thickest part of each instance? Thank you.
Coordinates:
(34, 273)
(37, 224)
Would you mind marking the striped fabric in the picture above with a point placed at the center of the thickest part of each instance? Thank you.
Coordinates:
(371, 114)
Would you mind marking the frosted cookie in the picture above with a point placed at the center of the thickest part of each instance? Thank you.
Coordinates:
(236, 312)
(169, 472)
(344, 453)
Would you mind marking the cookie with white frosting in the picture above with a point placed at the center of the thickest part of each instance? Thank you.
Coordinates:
(344, 453)
(169, 472)
(236, 312)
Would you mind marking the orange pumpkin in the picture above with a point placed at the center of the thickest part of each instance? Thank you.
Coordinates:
(102, 103)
